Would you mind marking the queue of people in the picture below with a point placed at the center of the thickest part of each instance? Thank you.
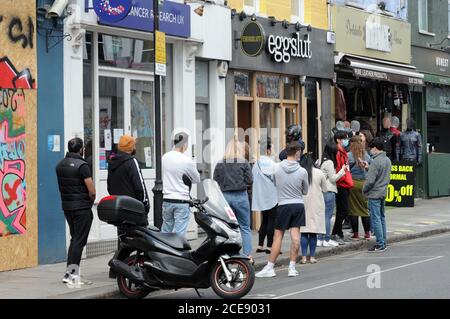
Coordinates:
(298, 194)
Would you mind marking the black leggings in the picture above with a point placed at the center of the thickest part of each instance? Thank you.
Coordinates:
(354, 220)
(80, 222)
(341, 210)
(267, 227)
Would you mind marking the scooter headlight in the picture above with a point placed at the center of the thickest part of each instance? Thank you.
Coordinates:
(233, 235)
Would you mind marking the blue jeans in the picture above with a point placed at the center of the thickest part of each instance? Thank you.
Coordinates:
(308, 239)
(238, 202)
(175, 218)
(378, 220)
(330, 202)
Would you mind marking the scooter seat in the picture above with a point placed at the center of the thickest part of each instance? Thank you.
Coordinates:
(172, 239)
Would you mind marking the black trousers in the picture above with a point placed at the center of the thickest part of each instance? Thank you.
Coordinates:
(354, 220)
(342, 209)
(80, 222)
(267, 227)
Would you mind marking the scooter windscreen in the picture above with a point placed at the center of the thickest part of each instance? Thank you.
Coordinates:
(217, 205)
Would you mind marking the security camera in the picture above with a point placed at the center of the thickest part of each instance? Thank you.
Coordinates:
(222, 69)
(43, 10)
(57, 8)
(302, 80)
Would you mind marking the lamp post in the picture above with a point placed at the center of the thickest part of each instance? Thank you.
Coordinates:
(158, 188)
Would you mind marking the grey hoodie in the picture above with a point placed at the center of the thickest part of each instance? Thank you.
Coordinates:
(378, 177)
(291, 181)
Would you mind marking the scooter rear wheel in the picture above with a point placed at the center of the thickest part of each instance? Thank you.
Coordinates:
(243, 278)
(129, 289)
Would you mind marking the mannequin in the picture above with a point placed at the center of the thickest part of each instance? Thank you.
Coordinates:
(410, 144)
(389, 139)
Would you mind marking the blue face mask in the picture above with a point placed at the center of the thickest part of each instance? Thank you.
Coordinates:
(345, 143)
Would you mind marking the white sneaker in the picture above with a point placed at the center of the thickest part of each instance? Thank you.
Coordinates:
(266, 272)
(330, 243)
(292, 272)
(320, 243)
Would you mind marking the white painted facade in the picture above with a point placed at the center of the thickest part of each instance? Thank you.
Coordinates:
(210, 41)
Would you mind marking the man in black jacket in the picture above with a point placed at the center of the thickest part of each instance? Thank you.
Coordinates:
(124, 175)
(77, 196)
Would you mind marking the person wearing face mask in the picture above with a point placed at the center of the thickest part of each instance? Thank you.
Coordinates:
(343, 185)
(124, 175)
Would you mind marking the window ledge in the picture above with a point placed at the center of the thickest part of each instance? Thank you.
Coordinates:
(427, 33)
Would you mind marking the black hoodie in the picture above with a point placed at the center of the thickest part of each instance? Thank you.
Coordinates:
(125, 178)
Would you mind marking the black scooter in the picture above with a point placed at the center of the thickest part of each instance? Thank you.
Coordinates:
(148, 260)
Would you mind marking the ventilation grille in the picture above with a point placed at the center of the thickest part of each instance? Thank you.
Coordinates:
(102, 247)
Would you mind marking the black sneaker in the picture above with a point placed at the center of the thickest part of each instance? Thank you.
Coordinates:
(377, 249)
(66, 278)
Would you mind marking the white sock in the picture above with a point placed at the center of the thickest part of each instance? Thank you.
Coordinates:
(270, 265)
(292, 264)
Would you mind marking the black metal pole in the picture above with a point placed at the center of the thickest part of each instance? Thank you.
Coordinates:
(158, 188)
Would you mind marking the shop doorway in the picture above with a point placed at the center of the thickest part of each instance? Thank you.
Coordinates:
(125, 106)
(244, 118)
(203, 157)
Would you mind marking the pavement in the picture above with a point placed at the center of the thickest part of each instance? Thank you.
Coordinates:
(427, 218)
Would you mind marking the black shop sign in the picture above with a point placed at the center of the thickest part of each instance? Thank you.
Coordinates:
(252, 39)
(400, 192)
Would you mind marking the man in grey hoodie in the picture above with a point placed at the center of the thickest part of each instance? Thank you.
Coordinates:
(375, 188)
(291, 181)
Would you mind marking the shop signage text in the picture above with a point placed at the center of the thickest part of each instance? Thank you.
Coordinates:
(378, 37)
(400, 191)
(385, 76)
(371, 35)
(174, 18)
(252, 39)
(282, 49)
(112, 10)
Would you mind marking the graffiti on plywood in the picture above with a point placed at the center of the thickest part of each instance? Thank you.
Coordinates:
(12, 162)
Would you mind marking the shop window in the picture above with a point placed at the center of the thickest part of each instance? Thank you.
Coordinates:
(269, 120)
(268, 86)
(241, 84)
(88, 116)
(125, 53)
(201, 79)
(289, 89)
(111, 117)
(251, 6)
(423, 15)
(290, 116)
(142, 122)
(297, 10)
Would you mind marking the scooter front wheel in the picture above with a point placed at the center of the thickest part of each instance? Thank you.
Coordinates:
(243, 278)
(129, 289)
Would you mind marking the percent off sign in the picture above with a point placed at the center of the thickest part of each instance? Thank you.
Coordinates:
(396, 195)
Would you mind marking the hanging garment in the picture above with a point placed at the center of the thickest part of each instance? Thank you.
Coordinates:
(341, 105)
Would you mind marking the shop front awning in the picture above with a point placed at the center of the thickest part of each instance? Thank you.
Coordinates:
(380, 70)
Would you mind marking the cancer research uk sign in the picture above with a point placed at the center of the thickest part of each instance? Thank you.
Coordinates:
(174, 18)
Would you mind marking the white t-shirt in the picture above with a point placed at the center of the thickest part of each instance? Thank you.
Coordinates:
(174, 166)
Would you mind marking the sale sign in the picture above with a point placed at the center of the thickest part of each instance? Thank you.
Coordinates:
(400, 192)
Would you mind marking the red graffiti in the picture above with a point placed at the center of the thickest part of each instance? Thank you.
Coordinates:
(10, 78)
(12, 192)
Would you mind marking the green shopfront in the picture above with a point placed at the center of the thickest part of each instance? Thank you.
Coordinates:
(435, 115)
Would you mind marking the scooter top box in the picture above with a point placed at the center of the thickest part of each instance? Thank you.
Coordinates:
(115, 210)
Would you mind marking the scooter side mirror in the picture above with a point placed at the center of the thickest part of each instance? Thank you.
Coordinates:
(187, 181)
